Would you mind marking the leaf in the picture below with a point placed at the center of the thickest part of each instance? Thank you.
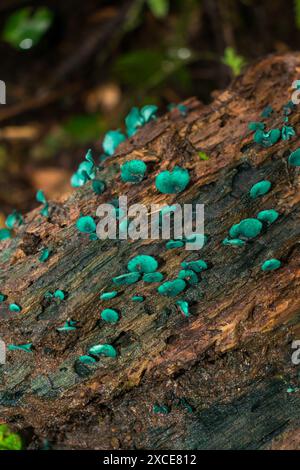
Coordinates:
(297, 13)
(234, 61)
(159, 8)
(203, 156)
(136, 68)
(24, 29)
(84, 128)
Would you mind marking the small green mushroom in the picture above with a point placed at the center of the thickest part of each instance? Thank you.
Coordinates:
(161, 409)
(171, 244)
(3, 297)
(260, 188)
(269, 216)
(98, 186)
(172, 288)
(137, 298)
(4, 234)
(15, 308)
(198, 265)
(109, 315)
(250, 228)
(13, 220)
(271, 265)
(294, 158)
(108, 295)
(267, 139)
(45, 254)
(184, 307)
(103, 350)
(88, 360)
(233, 242)
(142, 264)
(70, 325)
(189, 276)
(86, 224)
(128, 278)
(111, 141)
(20, 347)
(153, 277)
(133, 171)
(172, 182)
(59, 294)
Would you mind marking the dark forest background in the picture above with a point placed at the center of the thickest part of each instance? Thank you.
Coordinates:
(74, 68)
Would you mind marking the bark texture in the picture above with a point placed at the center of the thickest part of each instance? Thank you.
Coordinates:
(223, 372)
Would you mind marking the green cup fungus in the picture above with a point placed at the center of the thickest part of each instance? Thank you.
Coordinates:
(172, 182)
(172, 288)
(110, 315)
(133, 171)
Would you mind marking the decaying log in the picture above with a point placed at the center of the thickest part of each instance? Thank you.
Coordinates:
(224, 371)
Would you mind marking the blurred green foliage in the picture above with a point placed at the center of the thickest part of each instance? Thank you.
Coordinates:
(297, 13)
(9, 440)
(24, 28)
(159, 8)
(234, 61)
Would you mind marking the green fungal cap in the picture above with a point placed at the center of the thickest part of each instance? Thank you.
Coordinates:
(109, 315)
(13, 220)
(260, 188)
(44, 255)
(4, 234)
(184, 307)
(138, 118)
(287, 132)
(40, 197)
(86, 224)
(197, 266)
(133, 171)
(256, 126)
(142, 264)
(20, 347)
(3, 297)
(87, 360)
(153, 277)
(108, 295)
(161, 409)
(70, 325)
(234, 231)
(103, 350)
(15, 308)
(128, 278)
(250, 228)
(271, 265)
(172, 182)
(294, 158)
(267, 111)
(233, 242)
(59, 294)
(98, 186)
(172, 288)
(137, 298)
(111, 141)
(269, 216)
(189, 276)
(174, 244)
(267, 139)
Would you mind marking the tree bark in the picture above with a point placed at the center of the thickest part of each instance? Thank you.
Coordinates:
(224, 371)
